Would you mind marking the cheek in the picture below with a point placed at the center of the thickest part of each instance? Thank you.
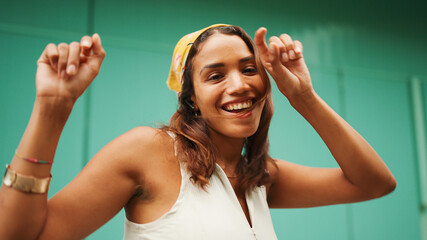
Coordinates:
(206, 97)
(207, 106)
(261, 86)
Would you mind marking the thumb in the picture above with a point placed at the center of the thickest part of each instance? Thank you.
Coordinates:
(260, 43)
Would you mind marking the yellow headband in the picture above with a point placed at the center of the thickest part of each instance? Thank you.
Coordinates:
(180, 55)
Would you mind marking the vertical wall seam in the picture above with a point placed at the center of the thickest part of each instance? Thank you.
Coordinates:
(342, 108)
(420, 148)
(86, 121)
(420, 137)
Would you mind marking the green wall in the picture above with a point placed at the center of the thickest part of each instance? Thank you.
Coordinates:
(361, 54)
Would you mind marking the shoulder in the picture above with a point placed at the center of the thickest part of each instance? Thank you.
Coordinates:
(281, 172)
(281, 169)
(151, 143)
(135, 149)
(273, 171)
(141, 139)
(272, 167)
(144, 135)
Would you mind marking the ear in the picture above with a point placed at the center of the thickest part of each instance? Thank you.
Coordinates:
(193, 99)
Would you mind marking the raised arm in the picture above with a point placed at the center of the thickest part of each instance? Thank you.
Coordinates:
(362, 174)
(63, 74)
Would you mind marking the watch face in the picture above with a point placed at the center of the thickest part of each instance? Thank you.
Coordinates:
(8, 177)
(7, 181)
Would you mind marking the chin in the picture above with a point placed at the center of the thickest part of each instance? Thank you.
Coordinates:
(238, 128)
(239, 131)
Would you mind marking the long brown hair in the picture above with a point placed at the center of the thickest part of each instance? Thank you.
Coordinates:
(196, 149)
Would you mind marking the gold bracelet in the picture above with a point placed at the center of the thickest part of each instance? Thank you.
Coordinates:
(24, 183)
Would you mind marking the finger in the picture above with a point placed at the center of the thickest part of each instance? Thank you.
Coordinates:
(98, 52)
(86, 45)
(274, 54)
(73, 58)
(289, 45)
(298, 49)
(83, 58)
(62, 58)
(284, 57)
(282, 53)
(287, 41)
(52, 55)
(97, 46)
(260, 41)
(278, 43)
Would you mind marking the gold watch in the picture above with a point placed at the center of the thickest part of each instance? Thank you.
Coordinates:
(24, 183)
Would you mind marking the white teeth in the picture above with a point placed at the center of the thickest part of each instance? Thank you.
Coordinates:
(238, 106)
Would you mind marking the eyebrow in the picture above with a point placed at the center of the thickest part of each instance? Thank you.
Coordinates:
(246, 59)
(216, 65)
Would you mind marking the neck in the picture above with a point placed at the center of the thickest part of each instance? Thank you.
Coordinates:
(229, 151)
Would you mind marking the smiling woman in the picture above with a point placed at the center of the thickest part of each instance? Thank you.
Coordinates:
(223, 70)
(208, 175)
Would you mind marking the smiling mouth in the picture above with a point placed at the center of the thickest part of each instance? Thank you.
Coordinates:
(238, 106)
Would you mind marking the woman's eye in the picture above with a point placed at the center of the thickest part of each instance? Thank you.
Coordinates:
(215, 77)
(250, 70)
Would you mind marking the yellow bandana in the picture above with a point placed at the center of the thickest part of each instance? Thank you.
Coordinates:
(180, 55)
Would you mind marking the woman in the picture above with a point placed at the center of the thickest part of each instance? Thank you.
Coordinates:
(190, 179)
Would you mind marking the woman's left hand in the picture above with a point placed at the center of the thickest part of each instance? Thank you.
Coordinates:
(284, 61)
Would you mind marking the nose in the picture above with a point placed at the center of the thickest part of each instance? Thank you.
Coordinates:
(237, 84)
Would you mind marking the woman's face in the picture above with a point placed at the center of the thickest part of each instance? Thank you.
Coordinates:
(226, 82)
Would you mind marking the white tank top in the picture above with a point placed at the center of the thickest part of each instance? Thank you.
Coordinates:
(212, 214)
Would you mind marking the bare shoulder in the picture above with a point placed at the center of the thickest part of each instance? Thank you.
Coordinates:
(273, 171)
(272, 168)
(139, 146)
(132, 154)
(145, 138)
(150, 142)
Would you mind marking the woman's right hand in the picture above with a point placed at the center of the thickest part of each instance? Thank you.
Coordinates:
(65, 71)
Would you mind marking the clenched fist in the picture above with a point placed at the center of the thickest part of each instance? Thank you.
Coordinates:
(65, 71)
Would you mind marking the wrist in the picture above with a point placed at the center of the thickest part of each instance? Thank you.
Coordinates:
(54, 108)
(304, 100)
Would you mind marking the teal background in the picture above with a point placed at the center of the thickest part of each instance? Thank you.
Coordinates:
(362, 56)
